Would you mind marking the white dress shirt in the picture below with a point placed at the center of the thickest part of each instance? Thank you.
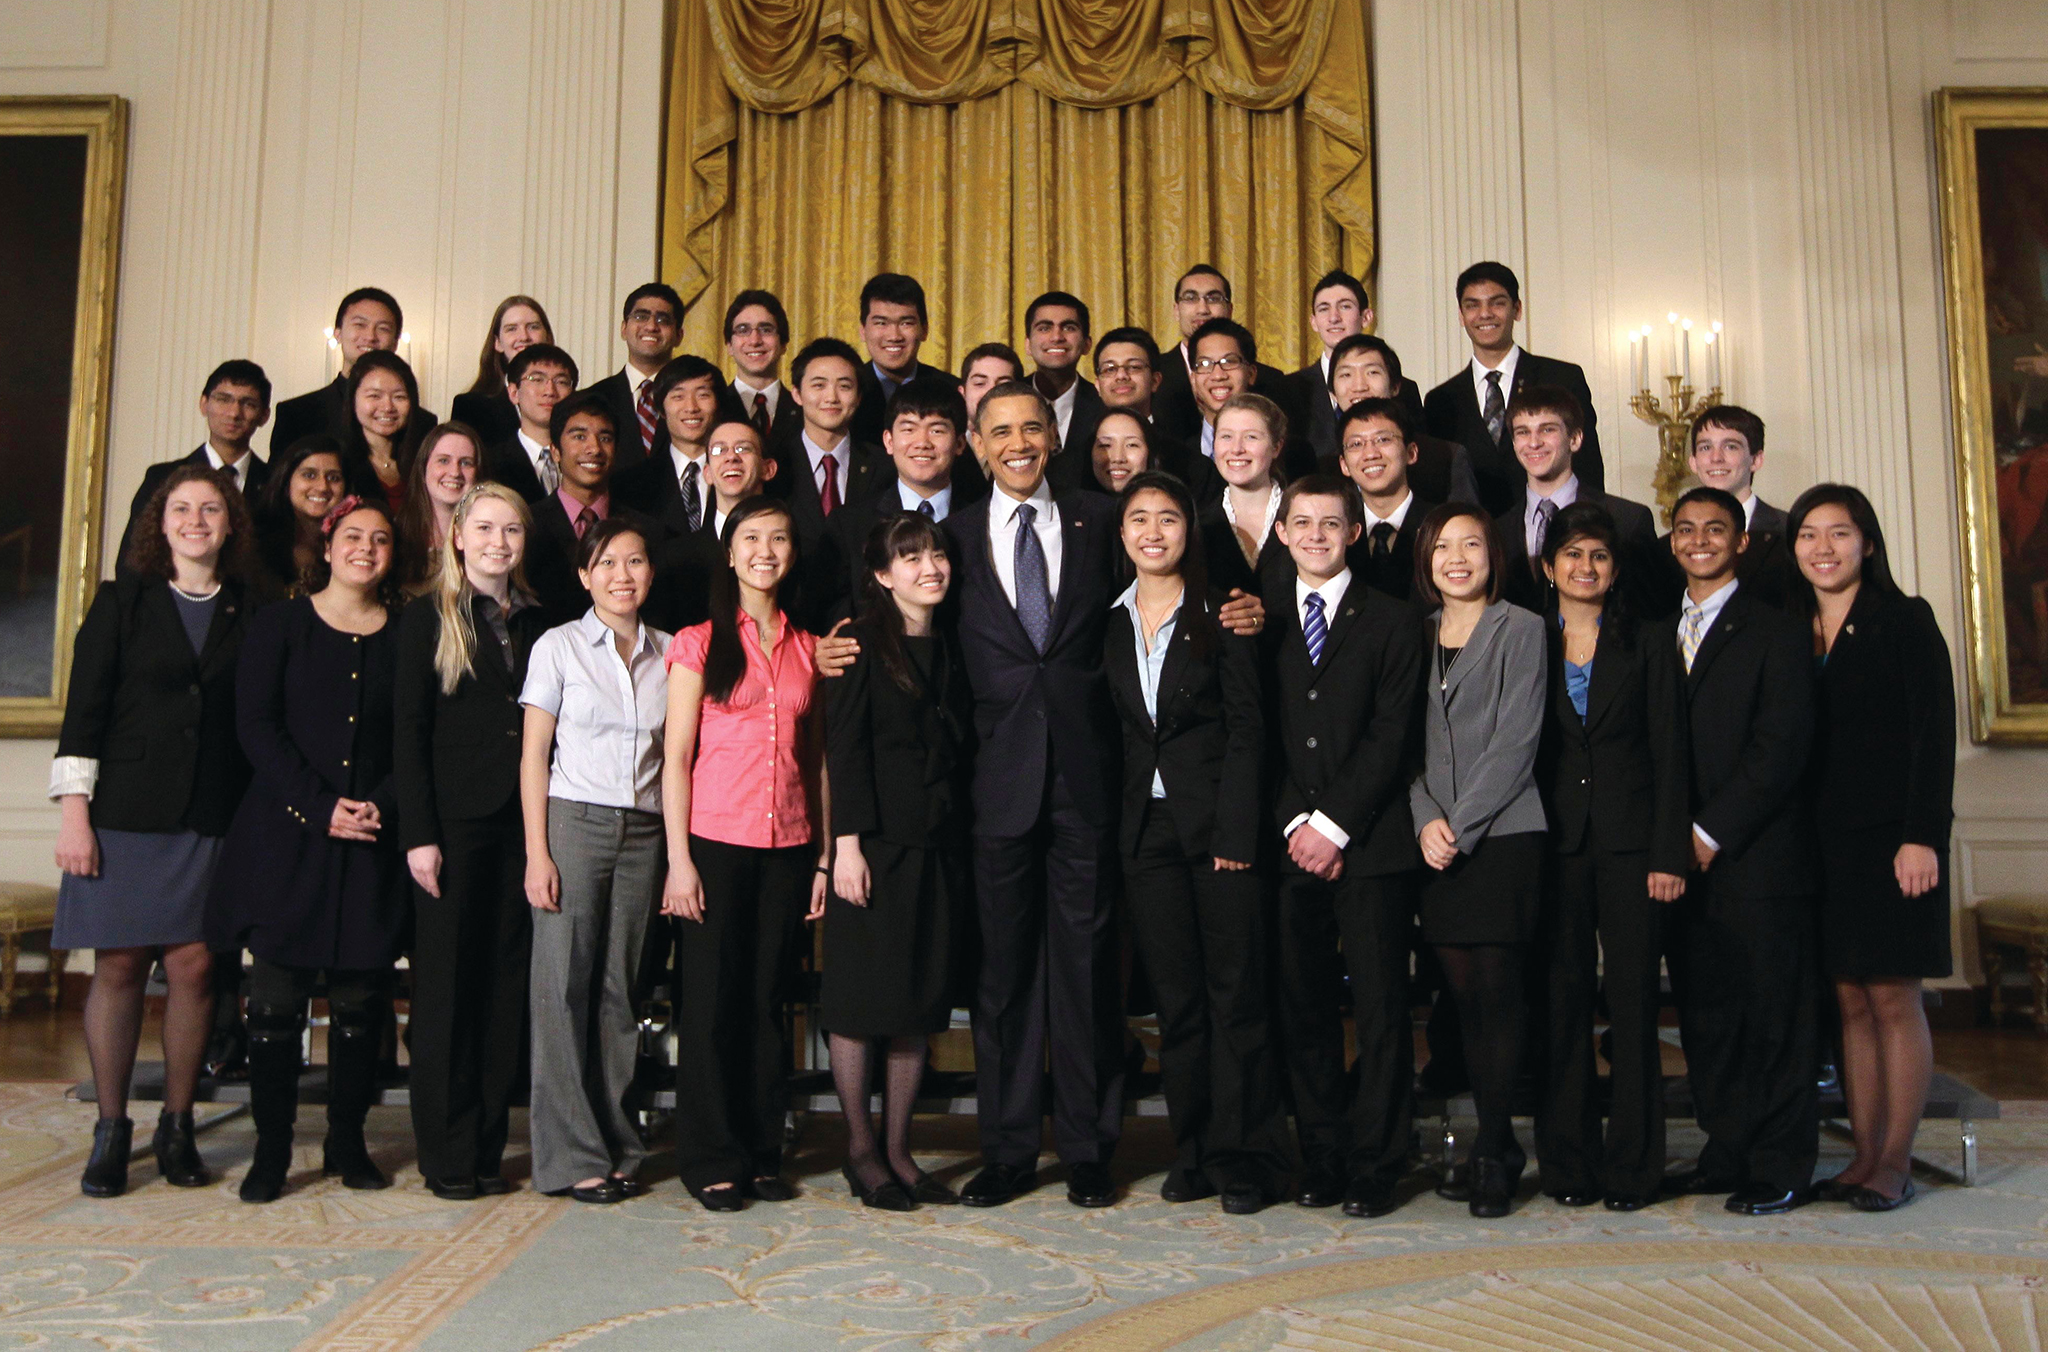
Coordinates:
(535, 452)
(941, 499)
(609, 713)
(840, 455)
(1332, 593)
(1272, 513)
(1002, 539)
(1063, 409)
(1748, 501)
(239, 471)
(1507, 376)
(1710, 611)
(772, 391)
(1396, 518)
(1532, 515)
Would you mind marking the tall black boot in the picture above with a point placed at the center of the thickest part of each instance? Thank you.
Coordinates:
(177, 1153)
(352, 1047)
(273, 1099)
(106, 1173)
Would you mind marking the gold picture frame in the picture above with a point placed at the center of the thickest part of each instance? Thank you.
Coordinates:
(82, 145)
(1988, 143)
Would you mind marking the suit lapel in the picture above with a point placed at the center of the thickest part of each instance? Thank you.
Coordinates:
(1718, 636)
(225, 613)
(1174, 669)
(975, 539)
(1074, 539)
(1608, 659)
(1491, 621)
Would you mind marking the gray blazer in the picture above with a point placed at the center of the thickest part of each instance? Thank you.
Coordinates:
(1481, 724)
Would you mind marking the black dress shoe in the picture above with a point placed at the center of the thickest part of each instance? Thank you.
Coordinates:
(1575, 1197)
(492, 1185)
(1186, 1185)
(1695, 1183)
(1457, 1184)
(177, 1153)
(1493, 1190)
(452, 1189)
(605, 1193)
(1366, 1198)
(106, 1172)
(928, 1191)
(1761, 1199)
(1835, 1190)
(887, 1195)
(1245, 1199)
(1870, 1199)
(631, 1187)
(720, 1196)
(997, 1184)
(771, 1188)
(1089, 1185)
(1320, 1188)
(1621, 1201)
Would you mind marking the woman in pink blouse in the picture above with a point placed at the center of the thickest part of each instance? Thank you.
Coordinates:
(743, 794)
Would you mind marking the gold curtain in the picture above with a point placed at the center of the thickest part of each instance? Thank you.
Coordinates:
(995, 149)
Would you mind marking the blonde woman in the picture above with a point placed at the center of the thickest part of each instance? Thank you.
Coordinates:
(462, 657)
(518, 323)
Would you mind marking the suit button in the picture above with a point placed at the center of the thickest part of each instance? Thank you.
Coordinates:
(1585, 781)
(192, 690)
(1311, 696)
(1311, 743)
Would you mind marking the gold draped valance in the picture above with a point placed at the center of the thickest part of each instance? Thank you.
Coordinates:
(998, 148)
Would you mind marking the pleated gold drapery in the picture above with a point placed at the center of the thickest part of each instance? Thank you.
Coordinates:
(995, 149)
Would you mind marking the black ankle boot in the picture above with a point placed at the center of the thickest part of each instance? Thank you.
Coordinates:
(177, 1154)
(106, 1173)
(273, 1102)
(352, 1046)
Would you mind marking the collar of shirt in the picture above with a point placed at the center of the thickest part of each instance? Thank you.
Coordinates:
(1748, 510)
(1005, 509)
(1507, 375)
(772, 391)
(1063, 407)
(634, 380)
(1567, 493)
(1209, 439)
(718, 522)
(596, 633)
(1325, 360)
(682, 462)
(601, 504)
(941, 499)
(1396, 518)
(1129, 601)
(1272, 510)
(818, 453)
(534, 450)
(240, 469)
(1711, 608)
(891, 384)
(1332, 593)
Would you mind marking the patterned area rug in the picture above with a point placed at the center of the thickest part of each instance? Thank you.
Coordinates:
(197, 1271)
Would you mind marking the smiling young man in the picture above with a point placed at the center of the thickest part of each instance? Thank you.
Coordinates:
(1548, 432)
(536, 380)
(926, 441)
(984, 368)
(1347, 672)
(1338, 309)
(650, 324)
(824, 467)
(1727, 450)
(1367, 367)
(756, 335)
(1376, 439)
(672, 485)
(367, 320)
(584, 435)
(1471, 407)
(1056, 333)
(1741, 937)
(1200, 295)
(735, 468)
(234, 402)
(894, 323)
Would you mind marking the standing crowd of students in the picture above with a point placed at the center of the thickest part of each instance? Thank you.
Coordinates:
(1317, 691)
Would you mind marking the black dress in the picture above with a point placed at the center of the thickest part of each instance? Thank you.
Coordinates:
(1884, 776)
(313, 708)
(898, 763)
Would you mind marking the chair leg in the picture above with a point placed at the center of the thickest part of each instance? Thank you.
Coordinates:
(1994, 976)
(10, 953)
(58, 957)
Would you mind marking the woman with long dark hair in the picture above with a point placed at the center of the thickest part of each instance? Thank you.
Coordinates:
(1883, 796)
(743, 795)
(304, 484)
(147, 775)
(444, 470)
(462, 652)
(899, 729)
(311, 881)
(518, 323)
(1614, 770)
(1189, 697)
(382, 436)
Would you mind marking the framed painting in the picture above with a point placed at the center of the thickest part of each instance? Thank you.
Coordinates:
(1993, 151)
(63, 166)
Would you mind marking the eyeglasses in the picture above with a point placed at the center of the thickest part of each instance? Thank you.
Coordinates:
(755, 330)
(1382, 441)
(541, 380)
(1137, 366)
(661, 317)
(1203, 298)
(1229, 361)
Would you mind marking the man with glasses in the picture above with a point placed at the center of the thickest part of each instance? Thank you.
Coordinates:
(756, 335)
(536, 379)
(651, 325)
(1203, 294)
(893, 326)
(1223, 359)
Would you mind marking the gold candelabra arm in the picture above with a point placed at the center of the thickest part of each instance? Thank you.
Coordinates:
(1672, 415)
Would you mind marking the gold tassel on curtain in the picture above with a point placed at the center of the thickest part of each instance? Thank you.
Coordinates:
(995, 149)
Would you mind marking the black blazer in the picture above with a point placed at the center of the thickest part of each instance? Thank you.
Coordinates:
(873, 413)
(507, 463)
(900, 761)
(1208, 743)
(1228, 570)
(851, 524)
(821, 565)
(1884, 752)
(684, 564)
(491, 415)
(1030, 708)
(1088, 411)
(629, 449)
(652, 489)
(1645, 582)
(1346, 731)
(1452, 412)
(1626, 764)
(551, 562)
(1392, 574)
(160, 720)
(457, 756)
(153, 478)
(1750, 710)
(326, 410)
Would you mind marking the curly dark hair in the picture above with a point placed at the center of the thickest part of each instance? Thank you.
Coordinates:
(149, 553)
(321, 573)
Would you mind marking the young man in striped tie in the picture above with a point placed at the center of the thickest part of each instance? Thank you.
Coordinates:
(756, 335)
(650, 325)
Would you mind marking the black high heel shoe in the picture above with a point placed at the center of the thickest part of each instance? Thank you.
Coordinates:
(177, 1153)
(106, 1173)
(888, 1195)
(928, 1191)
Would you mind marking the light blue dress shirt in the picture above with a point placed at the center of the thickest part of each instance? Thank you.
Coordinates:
(1151, 661)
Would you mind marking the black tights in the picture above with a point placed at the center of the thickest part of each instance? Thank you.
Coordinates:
(1487, 981)
(851, 1060)
(113, 1021)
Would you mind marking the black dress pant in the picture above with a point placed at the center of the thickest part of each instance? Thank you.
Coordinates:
(1202, 932)
(1359, 1129)
(1601, 932)
(732, 1048)
(469, 996)
(1048, 984)
(1744, 967)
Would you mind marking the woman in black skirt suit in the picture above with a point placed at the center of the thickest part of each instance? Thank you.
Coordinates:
(311, 881)
(1479, 820)
(1614, 770)
(147, 775)
(1884, 788)
(898, 724)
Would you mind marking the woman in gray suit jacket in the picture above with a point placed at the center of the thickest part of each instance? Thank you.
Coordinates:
(1479, 820)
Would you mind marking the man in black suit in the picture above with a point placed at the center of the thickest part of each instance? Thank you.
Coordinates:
(235, 401)
(1549, 436)
(893, 324)
(1347, 666)
(1366, 367)
(1376, 439)
(925, 441)
(584, 438)
(1127, 379)
(672, 486)
(1727, 451)
(1225, 358)
(823, 468)
(984, 368)
(650, 324)
(1056, 333)
(685, 560)
(1203, 294)
(367, 320)
(756, 335)
(1741, 939)
(538, 378)
(1338, 308)
(1471, 407)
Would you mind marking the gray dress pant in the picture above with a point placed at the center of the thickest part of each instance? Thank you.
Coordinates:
(586, 960)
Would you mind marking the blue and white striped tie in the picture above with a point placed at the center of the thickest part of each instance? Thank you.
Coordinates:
(1313, 630)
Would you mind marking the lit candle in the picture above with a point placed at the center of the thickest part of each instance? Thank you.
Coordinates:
(1635, 356)
(1715, 339)
(1685, 353)
(1672, 321)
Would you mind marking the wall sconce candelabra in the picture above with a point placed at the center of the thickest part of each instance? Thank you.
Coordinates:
(1672, 413)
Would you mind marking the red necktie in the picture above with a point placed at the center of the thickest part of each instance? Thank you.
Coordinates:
(828, 492)
(643, 408)
(761, 413)
(585, 519)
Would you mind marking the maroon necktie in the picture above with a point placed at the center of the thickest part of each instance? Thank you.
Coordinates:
(585, 519)
(828, 492)
(643, 409)
(760, 416)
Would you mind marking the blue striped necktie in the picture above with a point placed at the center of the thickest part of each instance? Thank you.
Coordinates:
(1034, 593)
(1313, 629)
